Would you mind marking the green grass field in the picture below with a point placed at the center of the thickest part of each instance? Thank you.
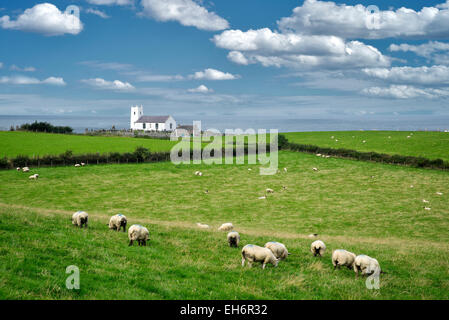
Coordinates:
(40, 144)
(364, 207)
(432, 145)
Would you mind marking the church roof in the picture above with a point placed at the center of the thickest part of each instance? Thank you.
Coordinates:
(152, 119)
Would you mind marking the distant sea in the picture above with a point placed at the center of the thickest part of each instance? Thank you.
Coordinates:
(80, 123)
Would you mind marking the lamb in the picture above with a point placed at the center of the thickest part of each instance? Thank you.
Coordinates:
(117, 222)
(80, 219)
(34, 177)
(279, 249)
(226, 227)
(366, 265)
(342, 257)
(318, 247)
(233, 239)
(202, 226)
(25, 169)
(253, 253)
(138, 233)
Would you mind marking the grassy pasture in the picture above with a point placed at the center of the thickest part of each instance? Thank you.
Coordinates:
(363, 207)
(40, 144)
(432, 145)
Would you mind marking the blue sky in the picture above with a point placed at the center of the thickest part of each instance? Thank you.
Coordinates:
(246, 59)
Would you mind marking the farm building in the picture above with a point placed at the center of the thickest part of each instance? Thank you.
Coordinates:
(150, 123)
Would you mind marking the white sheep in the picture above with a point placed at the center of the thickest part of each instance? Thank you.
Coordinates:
(279, 249)
(202, 226)
(233, 239)
(77, 165)
(117, 222)
(425, 201)
(439, 193)
(253, 253)
(226, 227)
(198, 173)
(366, 265)
(268, 190)
(80, 219)
(315, 169)
(342, 257)
(262, 198)
(318, 154)
(25, 169)
(18, 168)
(138, 233)
(318, 247)
(83, 164)
(285, 169)
(34, 176)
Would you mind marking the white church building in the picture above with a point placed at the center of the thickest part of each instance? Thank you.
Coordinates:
(150, 123)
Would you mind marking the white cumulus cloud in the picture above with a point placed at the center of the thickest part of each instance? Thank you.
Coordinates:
(186, 12)
(44, 18)
(406, 92)
(347, 21)
(115, 85)
(213, 74)
(200, 89)
(434, 75)
(22, 80)
(296, 50)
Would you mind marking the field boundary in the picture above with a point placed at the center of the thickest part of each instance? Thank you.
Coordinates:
(411, 161)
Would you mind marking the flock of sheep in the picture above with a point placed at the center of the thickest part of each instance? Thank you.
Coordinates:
(271, 253)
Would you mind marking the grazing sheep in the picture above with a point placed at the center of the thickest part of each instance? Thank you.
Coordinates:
(439, 193)
(342, 257)
(138, 233)
(425, 201)
(285, 169)
(408, 137)
(34, 177)
(315, 169)
(249, 169)
(25, 169)
(253, 253)
(279, 249)
(80, 219)
(77, 165)
(117, 222)
(233, 239)
(198, 173)
(83, 164)
(268, 190)
(318, 247)
(226, 227)
(203, 226)
(364, 141)
(366, 265)
(18, 168)
(318, 154)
